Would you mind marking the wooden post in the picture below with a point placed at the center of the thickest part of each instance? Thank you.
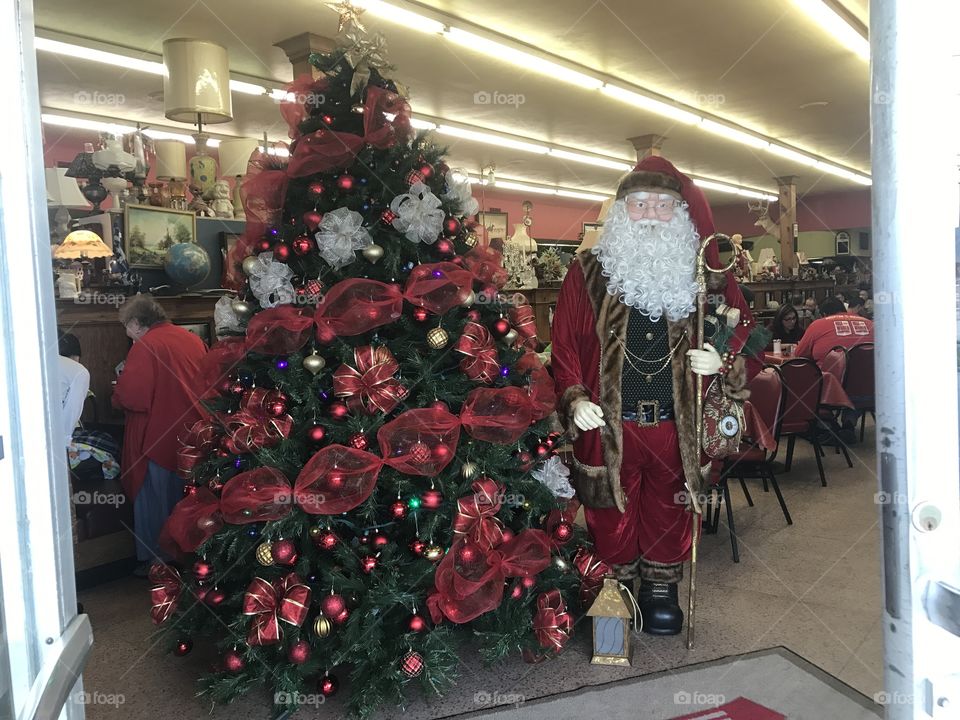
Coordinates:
(788, 219)
(298, 49)
(647, 145)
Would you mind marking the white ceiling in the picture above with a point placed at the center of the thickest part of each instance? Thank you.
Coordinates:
(763, 65)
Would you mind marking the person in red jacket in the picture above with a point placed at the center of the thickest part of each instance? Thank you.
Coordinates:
(623, 354)
(835, 327)
(156, 391)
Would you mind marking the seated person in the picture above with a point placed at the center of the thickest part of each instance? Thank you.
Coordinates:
(857, 306)
(74, 384)
(835, 327)
(785, 326)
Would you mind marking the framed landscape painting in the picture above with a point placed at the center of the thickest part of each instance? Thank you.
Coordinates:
(150, 231)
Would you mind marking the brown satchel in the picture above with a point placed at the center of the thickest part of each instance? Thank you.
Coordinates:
(722, 422)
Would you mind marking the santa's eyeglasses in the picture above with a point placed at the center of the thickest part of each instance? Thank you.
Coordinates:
(653, 207)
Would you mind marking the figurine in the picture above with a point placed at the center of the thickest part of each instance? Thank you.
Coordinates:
(221, 204)
(199, 206)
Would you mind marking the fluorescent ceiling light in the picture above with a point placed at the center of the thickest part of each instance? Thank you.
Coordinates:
(522, 59)
(101, 56)
(733, 134)
(611, 163)
(86, 124)
(582, 195)
(733, 189)
(511, 185)
(407, 19)
(422, 124)
(844, 173)
(492, 139)
(247, 88)
(278, 151)
(789, 154)
(836, 25)
(654, 106)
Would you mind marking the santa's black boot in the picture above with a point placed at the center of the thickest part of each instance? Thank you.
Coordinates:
(660, 608)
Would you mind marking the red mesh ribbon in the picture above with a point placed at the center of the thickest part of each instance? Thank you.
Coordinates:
(251, 428)
(592, 571)
(217, 364)
(467, 593)
(258, 495)
(438, 287)
(476, 515)
(371, 386)
(552, 624)
(355, 306)
(200, 441)
(497, 415)
(521, 317)
(487, 264)
(302, 95)
(165, 593)
(336, 479)
(401, 441)
(541, 390)
(286, 600)
(194, 519)
(379, 130)
(481, 362)
(279, 331)
(264, 189)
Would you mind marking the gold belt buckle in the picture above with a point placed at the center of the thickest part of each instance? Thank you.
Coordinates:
(648, 413)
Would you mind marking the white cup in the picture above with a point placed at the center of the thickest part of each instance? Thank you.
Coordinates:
(777, 347)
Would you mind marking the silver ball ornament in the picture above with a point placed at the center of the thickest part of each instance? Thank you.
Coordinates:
(250, 264)
(241, 308)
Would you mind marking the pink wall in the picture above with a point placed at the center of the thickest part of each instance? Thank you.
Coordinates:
(826, 211)
(553, 218)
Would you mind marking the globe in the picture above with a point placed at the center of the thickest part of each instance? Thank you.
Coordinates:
(187, 264)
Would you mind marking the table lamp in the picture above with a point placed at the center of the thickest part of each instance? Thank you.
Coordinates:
(234, 156)
(171, 158)
(114, 163)
(81, 245)
(83, 168)
(196, 90)
(591, 236)
(64, 194)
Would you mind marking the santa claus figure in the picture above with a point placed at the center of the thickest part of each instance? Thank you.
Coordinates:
(624, 354)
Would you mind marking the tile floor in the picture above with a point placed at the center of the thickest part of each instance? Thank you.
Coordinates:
(813, 587)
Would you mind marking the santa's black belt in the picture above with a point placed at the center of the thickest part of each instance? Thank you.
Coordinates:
(649, 413)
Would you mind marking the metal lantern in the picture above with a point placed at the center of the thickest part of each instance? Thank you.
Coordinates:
(611, 625)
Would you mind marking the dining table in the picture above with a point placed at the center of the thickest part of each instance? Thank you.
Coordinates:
(832, 396)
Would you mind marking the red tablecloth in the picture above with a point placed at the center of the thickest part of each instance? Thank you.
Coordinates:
(756, 429)
(833, 392)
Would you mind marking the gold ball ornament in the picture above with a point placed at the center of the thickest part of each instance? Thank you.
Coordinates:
(560, 563)
(250, 264)
(241, 308)
(433, 553)
(470, 300)
(322, 626)
(265, 554)
(373, 253)
(437, 338)
(314, 363)
(468, 470)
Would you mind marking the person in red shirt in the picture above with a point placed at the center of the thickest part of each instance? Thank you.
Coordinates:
(156, 391)
(835, 327)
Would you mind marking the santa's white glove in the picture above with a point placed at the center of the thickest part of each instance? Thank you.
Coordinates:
(706, 361)
(587, 415)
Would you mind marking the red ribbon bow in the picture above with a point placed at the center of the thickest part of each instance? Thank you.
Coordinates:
(521, 317)
(288, 600)
(592, 571)
(476, 515)
(371, 386)
(201, 439)
(165, 593)
(481, 362)
(552, 624)
(251, 428)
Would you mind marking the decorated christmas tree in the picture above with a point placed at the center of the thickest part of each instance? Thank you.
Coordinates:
(375, 483)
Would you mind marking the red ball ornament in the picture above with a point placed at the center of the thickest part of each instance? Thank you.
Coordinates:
(413, 177)
(542, 451)
(215, 597)
(441, 453)
(412, 664)
(420, 453)
(417, 546)
(426, 170)
(368, 564)
(526, 460)
(316, 433)
(189, 489)
(359, 441)
(315, 188)
(398, 509)
(326, 335)
(299, 652)
(501, 327)
(388, 216)
(327, 540)
(332, 605)
(457, 260)
(284, 552)
(302, 245)
(201, 593)
(507, 534)
(342, 617)
(439, 405)
(338, 411)
(281, 251)
(431, 499)
(451, 226)
(263, 245)
(468, 554)
(335, 480)
(312, 219)
(328, 685)
(562, 531)
(420, 314)
(202, 570)
(529, 582)
(277, 403)
(233, 662)
(327, 119)
(444, 247)
(345, 182)
(516, 592)
(183, 647)
(473, 315)
(237, 388)
(416, 623)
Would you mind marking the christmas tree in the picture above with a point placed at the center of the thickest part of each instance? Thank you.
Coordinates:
(376, 483)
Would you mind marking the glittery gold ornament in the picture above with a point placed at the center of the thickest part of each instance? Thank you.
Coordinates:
(265, 554)
(468, 470)
(471, 239)
(470, 300)
(433, 553)
(322, 626)
(437, 338)
(372, 253)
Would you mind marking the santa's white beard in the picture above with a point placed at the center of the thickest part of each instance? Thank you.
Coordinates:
(650, 264)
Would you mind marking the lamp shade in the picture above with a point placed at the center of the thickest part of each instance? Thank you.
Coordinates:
(82, 244)
(83, 167)
(196, 86)
(171, 159)
(63, 191)
(234, 155)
